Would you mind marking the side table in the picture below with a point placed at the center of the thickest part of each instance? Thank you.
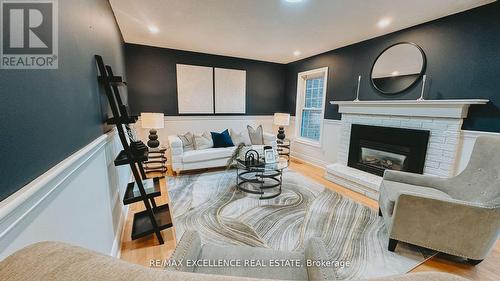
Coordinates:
(156, 161)
(284, 148)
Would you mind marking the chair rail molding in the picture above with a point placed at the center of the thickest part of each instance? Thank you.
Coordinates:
(189, 117)
(54, 201)
(17, 206)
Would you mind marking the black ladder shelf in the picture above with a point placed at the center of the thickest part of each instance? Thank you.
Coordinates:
(155, 218)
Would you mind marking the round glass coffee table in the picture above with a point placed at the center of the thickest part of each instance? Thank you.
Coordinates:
(264, 180)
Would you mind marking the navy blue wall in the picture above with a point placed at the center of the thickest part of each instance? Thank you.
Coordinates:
(463, 61)
(151, 73)
(49, 114)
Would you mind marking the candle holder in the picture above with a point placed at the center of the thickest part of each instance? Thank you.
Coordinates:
(357, 89)
(424, 79)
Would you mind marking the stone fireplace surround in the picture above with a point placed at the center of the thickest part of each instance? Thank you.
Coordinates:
(443, 118)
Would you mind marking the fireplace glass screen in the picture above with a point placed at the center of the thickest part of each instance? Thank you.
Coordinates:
(382, 159)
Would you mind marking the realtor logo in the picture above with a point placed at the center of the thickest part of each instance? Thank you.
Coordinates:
(29, 38)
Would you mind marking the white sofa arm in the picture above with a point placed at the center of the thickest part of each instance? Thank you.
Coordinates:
(175, 144)
(270, 139)
(176, 152)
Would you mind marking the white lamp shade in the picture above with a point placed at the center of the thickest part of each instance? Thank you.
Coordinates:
(281, 119)
(152, 120)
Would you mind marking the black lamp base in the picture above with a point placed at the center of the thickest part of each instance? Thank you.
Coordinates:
(153, 141)
(281, 133)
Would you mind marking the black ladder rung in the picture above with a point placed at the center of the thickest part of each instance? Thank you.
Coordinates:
(142, 224)
(121, 120)
(113, 80)
(132, 194)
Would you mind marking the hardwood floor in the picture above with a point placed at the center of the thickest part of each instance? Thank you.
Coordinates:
(143, 251)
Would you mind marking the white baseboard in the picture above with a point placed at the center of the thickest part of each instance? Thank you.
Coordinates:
(116, 249)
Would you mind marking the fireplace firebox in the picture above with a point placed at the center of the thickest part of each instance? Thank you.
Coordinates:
(375, 149)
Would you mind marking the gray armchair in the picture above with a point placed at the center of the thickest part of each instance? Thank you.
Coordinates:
(458, 216)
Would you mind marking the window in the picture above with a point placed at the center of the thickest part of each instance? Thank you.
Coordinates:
(311, 91)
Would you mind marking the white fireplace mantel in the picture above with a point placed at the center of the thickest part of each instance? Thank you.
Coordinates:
(441, 118)
(426, 108)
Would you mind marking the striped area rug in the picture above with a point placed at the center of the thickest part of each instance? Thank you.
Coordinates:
(209, 203)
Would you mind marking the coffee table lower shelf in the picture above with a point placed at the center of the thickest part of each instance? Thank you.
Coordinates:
(267, 184)
(142, 225)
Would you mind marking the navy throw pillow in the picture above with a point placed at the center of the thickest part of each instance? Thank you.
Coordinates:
(222, 139)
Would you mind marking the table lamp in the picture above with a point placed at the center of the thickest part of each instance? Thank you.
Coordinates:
(281, 120)
(152, 121)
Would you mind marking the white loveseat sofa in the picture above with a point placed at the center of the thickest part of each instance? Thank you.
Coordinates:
(207, 158)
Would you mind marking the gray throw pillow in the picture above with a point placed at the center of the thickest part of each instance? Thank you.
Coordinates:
(187, 141)
(241, 137)
(203, 141)
(256, 135)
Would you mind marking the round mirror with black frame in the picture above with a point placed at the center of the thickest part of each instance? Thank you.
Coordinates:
(398, 67)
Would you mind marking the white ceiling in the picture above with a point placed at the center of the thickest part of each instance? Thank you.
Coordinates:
(271, 30)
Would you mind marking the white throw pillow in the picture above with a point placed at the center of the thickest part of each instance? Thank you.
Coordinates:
(203, 141)
(187, 141)
(241, 137)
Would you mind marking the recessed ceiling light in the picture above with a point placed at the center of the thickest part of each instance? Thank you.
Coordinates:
(297, 53)
(153, 29)
(293, 1)
(395, 73)
(384, 22)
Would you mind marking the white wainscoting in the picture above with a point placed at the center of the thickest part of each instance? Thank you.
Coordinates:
(78, 201)
(175, 125)
(321, 155)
